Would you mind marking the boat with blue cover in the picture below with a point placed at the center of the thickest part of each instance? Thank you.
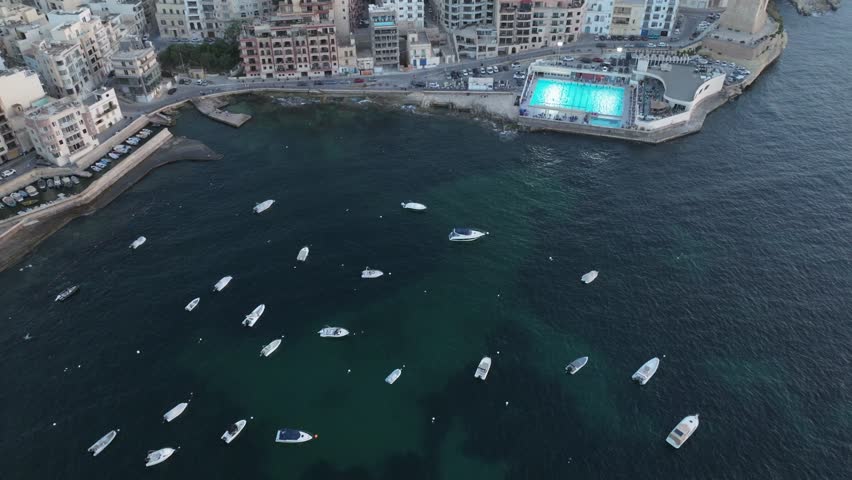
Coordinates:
(291, 435)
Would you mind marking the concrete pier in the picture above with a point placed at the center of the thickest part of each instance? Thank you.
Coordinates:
(211, 106)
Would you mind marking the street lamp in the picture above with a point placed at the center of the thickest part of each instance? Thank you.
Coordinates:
(619, 50)
(559, 47)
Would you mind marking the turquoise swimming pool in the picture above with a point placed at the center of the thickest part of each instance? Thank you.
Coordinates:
(602, 99)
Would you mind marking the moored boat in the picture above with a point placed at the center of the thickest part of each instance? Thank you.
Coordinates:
(291, 435)
(64, 294)
(102, 443)
(31, 191)
(263, 206)
(576, 365)
(42, 185)
(681, 433)
(49, 183)
(9, 201)
(158, 456)
(222, 283)
(303, 254)
(419, 207)
(646, 371)
(483, 368)
(333, 332)
(254, 316)
(66, 181)
(589, 277)
(465, 235)
(57, 182)
(75, 180)
(138, 242)
(393, 376)
(176, 411)
(233, 430)
(271, 347)
(371, 273)
(191, 305)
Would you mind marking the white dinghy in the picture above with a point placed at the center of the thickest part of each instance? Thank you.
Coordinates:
(176, 411)
(268, 349)
(646, 371)
(103, 442)
(417, 207)
(158, 456)
(233, 430)
(303, 254)
(483, 368)
(589, 277)
(371, 273)
(222, 283)
(191, 305)
(263, 206)
(394, 375)
(138, 242)
(254, 316)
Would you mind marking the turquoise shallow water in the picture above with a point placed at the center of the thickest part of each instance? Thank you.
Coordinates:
(602, 99)
(725, 253)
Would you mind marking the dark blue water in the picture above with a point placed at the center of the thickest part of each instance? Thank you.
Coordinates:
(726, 254)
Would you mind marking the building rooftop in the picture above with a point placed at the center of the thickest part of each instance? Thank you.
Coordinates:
(52, 106)
(57, 48)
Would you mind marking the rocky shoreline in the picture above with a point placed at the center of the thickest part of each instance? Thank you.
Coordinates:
(815, 7)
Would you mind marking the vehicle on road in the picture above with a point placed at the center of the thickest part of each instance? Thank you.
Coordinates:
(516, 65)
(358, 80)
(9, 173)
(172, 91)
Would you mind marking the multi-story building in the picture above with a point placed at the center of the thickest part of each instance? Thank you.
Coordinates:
(101, 110)
(18, 90)
(409, 13)
(524, 25)
(62, 66)
(97, 37)
(171, 18)
(18, 13)
(476, 41)
(598, 17)
(58, 131)
(384, 37)
(660, 18)
(347, 14)
(419, 51)
(704, 4)
(241, 10)
(294, 43)
(131, 13)
(456, 14)
(347, 54)
(60, 5)
(20, 28)
(196, 19)
(627, 17)
(137, 71)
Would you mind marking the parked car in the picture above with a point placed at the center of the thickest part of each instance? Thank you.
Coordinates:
(652, 45)
(518, 76)
(662, 44)
(567, 58)
(9, 173)
(516, 65)
(434, 85)
(598, 60)
(172, 91)
(358, 80)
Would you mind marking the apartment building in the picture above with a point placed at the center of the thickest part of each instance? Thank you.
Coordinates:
(20, 29)
(294, 43)
(97, 37)
(100, 110)
(419, 51)
(660, 18)
(598, 17)
(476, 42)
(58, 132)
(197, 19)
(63, 68)
(457, 14)
(409, 13)
(704, 4)
(137, 71)
(384, 37)
(347, 14)
(627, 17)
(19, 89)
(130, 12)
(171, 18)
(524, 25)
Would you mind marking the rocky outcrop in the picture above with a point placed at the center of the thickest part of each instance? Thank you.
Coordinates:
(811, 7)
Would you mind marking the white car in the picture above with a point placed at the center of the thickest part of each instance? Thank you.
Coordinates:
(652, 45)
(9, 173)
(516, 65)
(518, 76)
(433, 85)
(567, 59)
(662, 44)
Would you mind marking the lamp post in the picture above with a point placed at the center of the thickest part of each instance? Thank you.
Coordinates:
(619, 50)
(559, 47)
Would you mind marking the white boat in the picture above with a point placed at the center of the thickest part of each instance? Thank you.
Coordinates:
(419, 207)
(254, 316)
(102, 443)
(158, 456)
(465, 235)
(371, 273)
(576, 365)
(273, 345)
(222, 283)
(175, 412)
(138, 242)
(646, 371)
(233, 430)
(194, 303)
(303, 254)
(291, 435)
(394, 375)
(263, 206)
(589, 277)
(681, 433)
(483, 368)
(333, 332)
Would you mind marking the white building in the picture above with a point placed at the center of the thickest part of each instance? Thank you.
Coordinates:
(137, 71)
(197, 19)
(131, 13)
(18, 90)
(598, 17)
(20, 29)
(97, 37)
(62, 67)
(660, 18)
(419, 51)
(704, 4)
(58, 132)
(409, 13)
(457, 14)
(101, 110)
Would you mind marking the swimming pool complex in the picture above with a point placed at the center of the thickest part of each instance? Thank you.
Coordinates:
(602, 99)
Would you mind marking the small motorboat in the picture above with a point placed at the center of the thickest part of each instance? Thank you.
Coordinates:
(333, 332)
(49, 183)
(263, 206)
(290, 435)
(75, 180)
(233, 430)
(465, 235)
(646, 371)
(254, 316)
(576, 365)
(191, 305)
(418, 207)
(483, 368)
(138, 242)
(158, 456)
(31, 191)
(113, 155)
(303, 254)
(57, 182)
(681, 433)
(64, 294)
(42, 185)
(102, 443)
(176, 411)
(394, 375)
(66, 182)
(268, 349)
(589, 277)
(222, 283)
(371, 273)
(9, 201)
